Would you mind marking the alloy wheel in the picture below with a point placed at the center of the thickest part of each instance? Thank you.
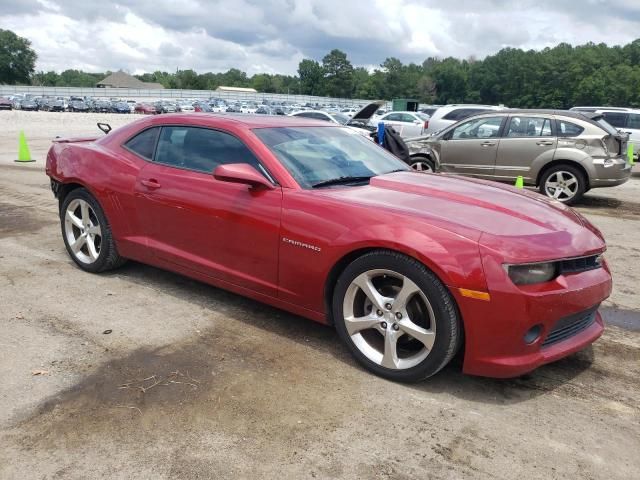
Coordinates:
(561, 185)
(83, 231)
(422, 167)
(389, 319)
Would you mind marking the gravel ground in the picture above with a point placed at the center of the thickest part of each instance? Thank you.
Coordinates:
(249, 391)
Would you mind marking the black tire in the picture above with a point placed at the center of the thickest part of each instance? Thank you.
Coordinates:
(417, 161)
(108, 257)
(448, 324)
(577, 173)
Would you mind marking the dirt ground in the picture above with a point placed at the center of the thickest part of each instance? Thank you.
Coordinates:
(194, 382)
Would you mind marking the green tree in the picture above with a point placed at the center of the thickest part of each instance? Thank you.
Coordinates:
(17, 58)
(338, 74)
(311, 77)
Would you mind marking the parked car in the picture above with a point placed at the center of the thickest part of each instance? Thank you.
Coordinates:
(449, 114)
(102, 106)
(359, 122)
(120, 107)
(5, 104)
(29, 104)
(184, 107)
(78, 106)
(563, 153)
(407, 124)
(325, 224)
(53, 105)
(165, 107)
(263, 110)
(202, 107)
(132, 105)
(145, 108)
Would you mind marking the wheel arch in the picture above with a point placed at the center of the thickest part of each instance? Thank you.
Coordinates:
(341, 264)
(570, 163)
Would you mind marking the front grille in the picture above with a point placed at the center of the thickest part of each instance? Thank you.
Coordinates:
(570, 326)
(582, 264)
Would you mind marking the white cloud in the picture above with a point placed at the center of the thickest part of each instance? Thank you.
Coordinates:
(274, 35)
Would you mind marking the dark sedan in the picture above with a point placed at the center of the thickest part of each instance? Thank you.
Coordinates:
(29, 105)
(5, 104)
(78, 106)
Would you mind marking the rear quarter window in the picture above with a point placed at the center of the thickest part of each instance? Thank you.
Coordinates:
(568, 129)
(617, 119)
(144, 143)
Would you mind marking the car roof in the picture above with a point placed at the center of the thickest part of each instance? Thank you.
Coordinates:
(239, 119)
(533, 111)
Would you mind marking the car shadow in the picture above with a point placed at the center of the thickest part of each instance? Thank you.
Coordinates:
(323, 338)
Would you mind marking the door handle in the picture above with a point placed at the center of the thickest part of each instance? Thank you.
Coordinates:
(152, 183)
(544, 143)
(487, 144)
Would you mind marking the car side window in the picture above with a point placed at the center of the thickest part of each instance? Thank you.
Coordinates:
(529, 127)
(201, 149)
(144, 143)
(393, 117)
(634, 121)
(617, 119)
(407, 118)
(568, 129)
(478, 128)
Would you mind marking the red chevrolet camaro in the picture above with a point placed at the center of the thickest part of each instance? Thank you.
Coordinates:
(410, 268)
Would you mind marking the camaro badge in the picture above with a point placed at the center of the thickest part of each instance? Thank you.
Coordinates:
(301, 244)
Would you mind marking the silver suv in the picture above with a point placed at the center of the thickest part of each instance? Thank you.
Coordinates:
(563, 153)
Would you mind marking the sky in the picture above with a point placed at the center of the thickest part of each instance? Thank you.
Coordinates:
(273, 36)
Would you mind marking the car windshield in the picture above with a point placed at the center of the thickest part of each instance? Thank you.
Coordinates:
(340, 118)
(314, 155)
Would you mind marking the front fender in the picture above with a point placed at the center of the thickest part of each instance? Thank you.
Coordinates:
(455, 260)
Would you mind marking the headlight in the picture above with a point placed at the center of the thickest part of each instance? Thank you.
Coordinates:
(532, 273)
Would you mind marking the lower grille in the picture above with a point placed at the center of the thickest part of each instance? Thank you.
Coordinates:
(570, 326)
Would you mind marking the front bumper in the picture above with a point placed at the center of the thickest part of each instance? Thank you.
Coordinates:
(495, 330)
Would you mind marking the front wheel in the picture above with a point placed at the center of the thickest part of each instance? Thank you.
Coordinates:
(396, 317)
(87, 234)
(564, 183)
(423, 164)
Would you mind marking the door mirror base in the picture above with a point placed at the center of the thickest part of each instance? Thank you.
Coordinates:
(241, 173)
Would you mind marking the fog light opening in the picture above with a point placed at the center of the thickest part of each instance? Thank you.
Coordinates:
(533, 334)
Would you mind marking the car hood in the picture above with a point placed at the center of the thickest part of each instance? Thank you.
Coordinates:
(522, 225)
(367, 111)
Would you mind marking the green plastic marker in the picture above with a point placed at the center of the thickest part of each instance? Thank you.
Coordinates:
(630, 153)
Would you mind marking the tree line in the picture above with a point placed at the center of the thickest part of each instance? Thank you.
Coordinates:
(558, 77)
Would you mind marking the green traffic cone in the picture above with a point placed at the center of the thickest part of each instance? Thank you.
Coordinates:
(519, 182)
(630, 153)
(24, 155)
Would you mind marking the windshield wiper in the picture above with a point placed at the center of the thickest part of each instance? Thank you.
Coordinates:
(339, 181)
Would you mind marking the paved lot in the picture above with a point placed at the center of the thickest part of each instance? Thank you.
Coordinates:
(246, 391)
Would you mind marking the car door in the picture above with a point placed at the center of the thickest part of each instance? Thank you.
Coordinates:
(471, 147)
(394, 119)
(528, 143)
(225, 230)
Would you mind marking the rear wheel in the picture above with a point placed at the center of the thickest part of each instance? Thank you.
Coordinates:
(395, 316)
(564, 183)
(423, 164)
(87, 234)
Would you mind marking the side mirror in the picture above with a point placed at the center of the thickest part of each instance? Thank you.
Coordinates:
(241, 173)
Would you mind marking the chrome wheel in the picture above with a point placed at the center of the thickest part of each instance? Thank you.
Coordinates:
(561, 185)
(82, 231)
(422, 167)
(389, 319)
